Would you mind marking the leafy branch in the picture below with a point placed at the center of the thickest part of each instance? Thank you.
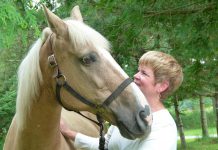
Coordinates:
(175, 11)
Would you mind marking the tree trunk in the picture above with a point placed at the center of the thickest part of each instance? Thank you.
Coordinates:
(203, 118)
(216, 106)
(179, 123)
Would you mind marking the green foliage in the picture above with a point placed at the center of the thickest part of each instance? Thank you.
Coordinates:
(10, 21)
(190, 113)
(191, 120)
(185, 29)
(7, 109)
(1, 143)
(7, 103)
(18, 29)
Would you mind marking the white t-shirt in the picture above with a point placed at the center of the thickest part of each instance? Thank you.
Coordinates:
(163, 136)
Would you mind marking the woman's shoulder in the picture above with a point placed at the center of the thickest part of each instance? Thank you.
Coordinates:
(161, 113)
(162, 117)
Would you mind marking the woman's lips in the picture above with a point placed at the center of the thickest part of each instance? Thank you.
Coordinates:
(137, 84)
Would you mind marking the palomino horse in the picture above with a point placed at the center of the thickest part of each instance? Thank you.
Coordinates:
(70, 56)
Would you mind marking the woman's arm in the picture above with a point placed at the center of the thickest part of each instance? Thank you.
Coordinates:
(81, 141)
(65, 130)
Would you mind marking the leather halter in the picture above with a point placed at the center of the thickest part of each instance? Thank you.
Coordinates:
(61, 81)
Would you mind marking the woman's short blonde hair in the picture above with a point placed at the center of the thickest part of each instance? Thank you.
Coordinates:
(165, 68)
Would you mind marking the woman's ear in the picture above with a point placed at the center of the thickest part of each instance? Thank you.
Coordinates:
(163, 86)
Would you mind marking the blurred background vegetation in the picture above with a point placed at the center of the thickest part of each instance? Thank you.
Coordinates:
(186, 29)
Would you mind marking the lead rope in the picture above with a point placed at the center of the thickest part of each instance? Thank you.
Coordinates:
(102, 138)
(100, 123)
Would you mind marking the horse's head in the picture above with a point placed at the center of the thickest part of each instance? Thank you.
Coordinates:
(81, 58)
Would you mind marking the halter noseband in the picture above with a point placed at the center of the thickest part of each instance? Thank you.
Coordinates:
(61, 81)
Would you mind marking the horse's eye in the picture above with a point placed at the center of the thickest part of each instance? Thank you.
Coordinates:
(89, 59)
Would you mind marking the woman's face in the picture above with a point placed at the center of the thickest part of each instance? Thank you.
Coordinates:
(145, 80)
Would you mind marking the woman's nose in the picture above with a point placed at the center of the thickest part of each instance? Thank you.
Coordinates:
(136, 76)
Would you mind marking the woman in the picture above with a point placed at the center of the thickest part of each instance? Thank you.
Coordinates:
(158, 76)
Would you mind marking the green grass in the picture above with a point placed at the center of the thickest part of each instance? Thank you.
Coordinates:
(192, 125)
(198, 132)
(200, 144)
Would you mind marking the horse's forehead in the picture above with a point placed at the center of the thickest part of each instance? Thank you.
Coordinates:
(84, 37)
(107, 56)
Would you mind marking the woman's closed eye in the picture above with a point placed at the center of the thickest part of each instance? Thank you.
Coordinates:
(144, 73)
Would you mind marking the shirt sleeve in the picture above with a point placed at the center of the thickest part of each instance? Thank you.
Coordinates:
(108, 136)
(86, 142)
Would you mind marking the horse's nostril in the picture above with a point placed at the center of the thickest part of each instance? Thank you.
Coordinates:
(145, 115)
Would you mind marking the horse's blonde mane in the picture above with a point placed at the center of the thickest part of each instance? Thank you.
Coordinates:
(82, 35)
(29, 73)
(29, 80)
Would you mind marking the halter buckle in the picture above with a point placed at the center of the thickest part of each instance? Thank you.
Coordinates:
(52, 61)
(61, 79)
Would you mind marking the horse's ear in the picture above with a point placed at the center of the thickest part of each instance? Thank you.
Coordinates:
(54, 22)
(76, 14)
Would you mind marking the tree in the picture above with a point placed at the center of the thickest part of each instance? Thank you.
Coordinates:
(216, 106)
(179, 122)
(203, 118)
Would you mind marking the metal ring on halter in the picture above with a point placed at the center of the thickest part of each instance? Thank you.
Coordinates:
(61, 79)
(52, 61)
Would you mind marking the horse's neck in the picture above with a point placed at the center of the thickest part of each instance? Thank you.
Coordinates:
(44, 113)
(42, 124)
(44, 116)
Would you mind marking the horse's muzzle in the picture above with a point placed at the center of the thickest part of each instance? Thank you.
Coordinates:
(144, 119)
(142, 128)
